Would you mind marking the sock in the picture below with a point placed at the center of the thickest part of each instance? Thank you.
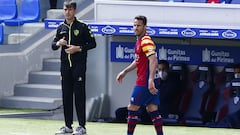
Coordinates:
(132, 121)
(157, 122)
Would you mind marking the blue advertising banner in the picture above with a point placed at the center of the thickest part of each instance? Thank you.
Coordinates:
(52, 24)
(156, 31)
(194, 55)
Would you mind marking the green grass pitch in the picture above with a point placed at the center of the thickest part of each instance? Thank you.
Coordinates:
(17, 126)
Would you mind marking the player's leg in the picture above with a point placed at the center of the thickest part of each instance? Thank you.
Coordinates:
(133, 118)
(133, 109)
(67, 96)
(152, 108)
(80, 97)
(80, 102)
(67, 93)
(156, 118)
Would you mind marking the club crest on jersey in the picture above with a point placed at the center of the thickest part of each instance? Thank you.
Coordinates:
(76, 32)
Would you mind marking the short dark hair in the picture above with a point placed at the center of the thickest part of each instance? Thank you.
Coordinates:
(142, 18)
(70, 4)
(164, 62)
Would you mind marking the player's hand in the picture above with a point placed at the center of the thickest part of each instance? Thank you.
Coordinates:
(120, 77)
(61, 42)
(72, 49)
(151, 87)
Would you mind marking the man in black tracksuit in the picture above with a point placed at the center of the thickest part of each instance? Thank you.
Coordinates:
(75, 39)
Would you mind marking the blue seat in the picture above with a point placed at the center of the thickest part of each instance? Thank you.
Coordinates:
(226, 1)
(235, 2)
(196, 1)
(1, 34)
(230, 112)
(194, 116)
(171, 0)
(29, 12)
(178, 0)
(234, 101)
(223, 83)
(8, 9)
(168, 88)
(178, 78)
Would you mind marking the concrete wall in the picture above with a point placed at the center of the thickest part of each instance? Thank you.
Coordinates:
(15, 66)
(97, 68)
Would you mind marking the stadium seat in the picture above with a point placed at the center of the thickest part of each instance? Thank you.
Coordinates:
(168, 88)
(213, 1)
(181, 72)
(164, 0)
(171, 0)
(228, 113)
(226, 1)
(1, 34)
(178, 75)
(235, 2)
(8, 9)
(223, 80)
(29, 12)
(234, 101)
(195, 1)
(177, 0)
(194, 115)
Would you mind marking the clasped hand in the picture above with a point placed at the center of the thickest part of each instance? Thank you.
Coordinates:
(71, 48)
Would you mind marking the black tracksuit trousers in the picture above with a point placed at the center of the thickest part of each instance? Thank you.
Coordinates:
(73, 85)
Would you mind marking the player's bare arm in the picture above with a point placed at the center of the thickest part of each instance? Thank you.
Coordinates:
(152, 68)
(122, 74)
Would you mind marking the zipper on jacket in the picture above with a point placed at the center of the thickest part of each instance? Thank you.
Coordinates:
(69, 41)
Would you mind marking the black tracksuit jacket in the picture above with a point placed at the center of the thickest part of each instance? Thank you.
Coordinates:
(78, 33)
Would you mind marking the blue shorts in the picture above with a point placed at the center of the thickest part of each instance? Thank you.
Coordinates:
(142, 96)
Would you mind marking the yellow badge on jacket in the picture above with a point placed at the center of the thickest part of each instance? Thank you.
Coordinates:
(76, 32)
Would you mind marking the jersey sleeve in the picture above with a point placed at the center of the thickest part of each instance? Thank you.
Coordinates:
(148, 46)
(89, 38)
